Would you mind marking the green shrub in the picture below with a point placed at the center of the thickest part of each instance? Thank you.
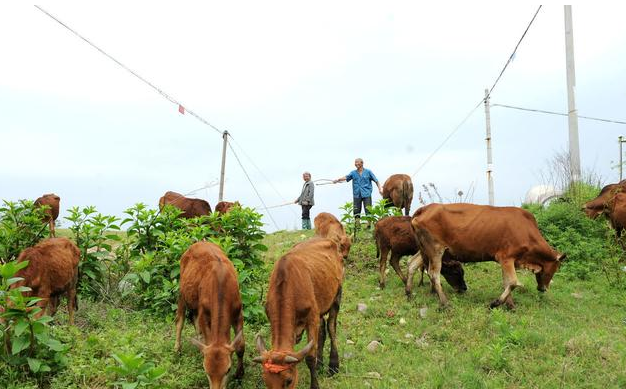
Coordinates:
(590, 245)
(379, 210)
(132, 371)
(157, 240)
(27, 344)
(93, 235)
(21, 226)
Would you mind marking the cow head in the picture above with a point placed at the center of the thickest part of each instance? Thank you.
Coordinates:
(454, 274)
(594, 208)
(218, 360)
(545, 272)
(280, 367)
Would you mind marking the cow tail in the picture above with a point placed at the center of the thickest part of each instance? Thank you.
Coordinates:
(376, 241)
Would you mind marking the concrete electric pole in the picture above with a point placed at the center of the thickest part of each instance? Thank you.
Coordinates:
(574, 149)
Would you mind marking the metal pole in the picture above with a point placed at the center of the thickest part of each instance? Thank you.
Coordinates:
(489, 160)
(225, 137)
(620, 139)
(574, 150)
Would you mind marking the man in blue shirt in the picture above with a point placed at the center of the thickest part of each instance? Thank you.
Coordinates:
(361, 188)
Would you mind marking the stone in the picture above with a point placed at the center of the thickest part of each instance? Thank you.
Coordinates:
(361, 307)
(373, 346)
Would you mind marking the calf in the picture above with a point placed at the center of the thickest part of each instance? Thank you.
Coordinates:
(304, 286)
(394, 234)
(209, 289)
(51, 272)
(51, 202)
(478, 233)
(190, 207)
(328, 226)
(398, 189)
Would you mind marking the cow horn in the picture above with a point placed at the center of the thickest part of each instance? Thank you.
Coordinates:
(260, 343)
(198, 343)
(290, 359)
(237, 340)
(302, 353)
(258, 359)
(561, 257)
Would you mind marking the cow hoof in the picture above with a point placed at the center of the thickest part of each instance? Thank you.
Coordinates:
(494, 304)
(333, 369)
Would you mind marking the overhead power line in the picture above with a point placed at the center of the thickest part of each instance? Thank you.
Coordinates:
(253, 187)
(557, 113)
(481, 100)
(182, 108)
(512, 54)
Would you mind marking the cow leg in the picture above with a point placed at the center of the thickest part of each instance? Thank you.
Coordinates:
(311, 358)
(434, 272)
(180, 321)
(240, 347)
(321, 339)
(333, 363)
(415, 262)
(384, 252)
(510, 282)
(71, 302)
(53, 305)
(395, 263)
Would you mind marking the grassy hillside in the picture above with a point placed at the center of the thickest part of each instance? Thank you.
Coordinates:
(573, 336)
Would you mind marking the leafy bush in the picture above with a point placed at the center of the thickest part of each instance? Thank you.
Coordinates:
(98, 267)
(132, 371)
(157, 240)
(590, 245)
(21, 226)
(26, 342)
(379, 210)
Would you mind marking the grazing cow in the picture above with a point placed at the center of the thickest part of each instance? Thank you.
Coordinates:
(190, 207)
(394, 234)
(304, 286)
(599, 205)
(225, 206)
(209, 289)
(52, 203)
(328, 226)
(398, 189)
(51, 272)
(477, 233)
(617, 212)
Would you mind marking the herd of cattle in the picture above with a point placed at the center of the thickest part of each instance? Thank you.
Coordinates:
(305, 285)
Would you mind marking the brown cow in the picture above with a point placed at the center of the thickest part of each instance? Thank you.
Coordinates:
(616, 212)
(225, 206)
(190, 207)
(477, 233)
(52, 203)
(394, 234)
(51, 272)
(608, 203)
(304, 286)
(398, 189)
(328, 226)
(209, 289)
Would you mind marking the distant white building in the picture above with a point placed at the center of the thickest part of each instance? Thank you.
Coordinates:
(541, 194)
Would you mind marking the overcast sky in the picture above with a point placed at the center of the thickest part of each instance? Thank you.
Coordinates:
(300, 86)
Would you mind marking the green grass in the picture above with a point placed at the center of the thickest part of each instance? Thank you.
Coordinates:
(573, 336)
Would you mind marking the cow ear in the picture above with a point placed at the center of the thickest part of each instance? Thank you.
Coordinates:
(198, 343)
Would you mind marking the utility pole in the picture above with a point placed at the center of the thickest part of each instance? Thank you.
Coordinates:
(620, 140)
(488, 139)
(225, 137)
(574, 150)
